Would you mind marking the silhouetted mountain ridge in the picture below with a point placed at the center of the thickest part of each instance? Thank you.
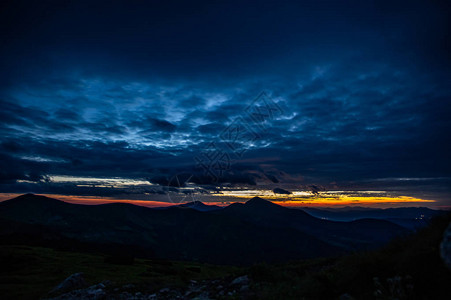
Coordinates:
(200, 206)
(408, 217)
(258, 230)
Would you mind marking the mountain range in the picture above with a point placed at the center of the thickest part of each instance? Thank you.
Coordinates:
(241, 233)
(409, 217)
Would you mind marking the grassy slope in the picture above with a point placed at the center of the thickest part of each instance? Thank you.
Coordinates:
(415, 257)
(31, 272)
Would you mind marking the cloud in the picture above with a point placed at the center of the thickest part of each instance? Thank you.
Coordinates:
(161, 125)
(281, 191)
(364, 89)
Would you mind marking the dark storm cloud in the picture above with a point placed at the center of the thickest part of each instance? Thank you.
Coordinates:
(211, 128)
(138, 90)
(237, 38)
(158, 125)
(18, 169)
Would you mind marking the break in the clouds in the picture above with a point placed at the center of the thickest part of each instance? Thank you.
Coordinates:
(136, 91)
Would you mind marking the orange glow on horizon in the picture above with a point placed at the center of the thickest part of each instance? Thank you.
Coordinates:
(289, 202)
(90, 200)
(349, 201)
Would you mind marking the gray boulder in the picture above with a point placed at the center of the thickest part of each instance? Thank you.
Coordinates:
(445, 247)
(241, 280)
(94, 292)
(73, 282)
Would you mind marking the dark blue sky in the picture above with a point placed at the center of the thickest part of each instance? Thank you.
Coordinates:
(133, 90)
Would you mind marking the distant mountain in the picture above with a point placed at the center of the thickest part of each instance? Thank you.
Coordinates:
(199, 206)
(363, 233)
(409, 217)
(256, 231)
(256, 205)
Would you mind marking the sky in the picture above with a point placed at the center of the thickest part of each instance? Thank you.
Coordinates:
(170, 101)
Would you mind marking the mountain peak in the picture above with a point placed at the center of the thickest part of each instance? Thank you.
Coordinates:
(193, 203)
(198, 205)
(32, 198)
(257, 201)
(28, 195)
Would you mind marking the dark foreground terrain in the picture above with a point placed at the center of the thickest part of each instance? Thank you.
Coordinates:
(49, 250)
(407, 268)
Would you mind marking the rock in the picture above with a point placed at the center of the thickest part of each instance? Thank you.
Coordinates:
(241, 280)
(396, 287)
(165, 290)
(203, 296)
(244, 288)
(445, 247)
(128, 286)
(94, 292)
(346, 296)
(73, 282)
(100, 285)
(106, 282)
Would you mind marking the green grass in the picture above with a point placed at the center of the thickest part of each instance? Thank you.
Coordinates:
(414, 258)
(31, 272)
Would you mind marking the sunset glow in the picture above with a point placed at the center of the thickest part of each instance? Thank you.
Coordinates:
(214, 199)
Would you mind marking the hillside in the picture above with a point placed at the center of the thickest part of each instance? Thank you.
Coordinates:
(407, 268)
(257, 231)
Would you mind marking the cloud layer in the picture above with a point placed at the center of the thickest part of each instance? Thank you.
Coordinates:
(120, 90)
